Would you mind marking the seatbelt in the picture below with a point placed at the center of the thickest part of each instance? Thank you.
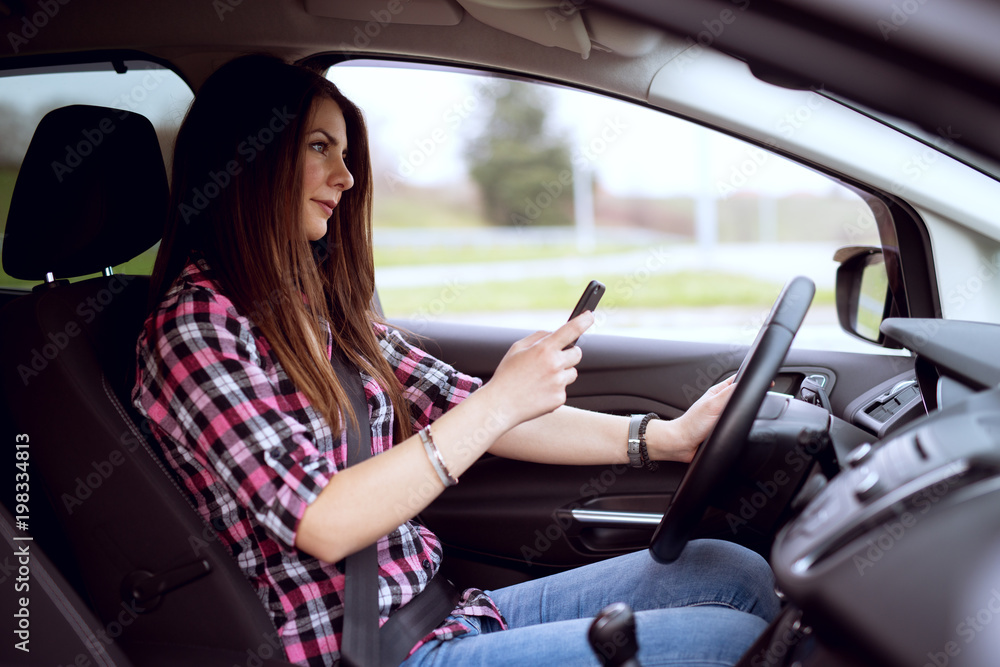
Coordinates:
(358, 646)
(414, 620)
(363, 644)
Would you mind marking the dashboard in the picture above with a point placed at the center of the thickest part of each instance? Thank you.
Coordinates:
(882, 553)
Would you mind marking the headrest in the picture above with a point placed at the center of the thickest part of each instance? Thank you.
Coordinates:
(91, 193)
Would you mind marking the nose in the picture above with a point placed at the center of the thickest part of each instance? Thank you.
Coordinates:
(340, 176)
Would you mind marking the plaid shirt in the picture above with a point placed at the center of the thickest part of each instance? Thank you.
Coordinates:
(253, 453)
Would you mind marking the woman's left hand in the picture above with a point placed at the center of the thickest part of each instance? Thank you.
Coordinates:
(678, 440)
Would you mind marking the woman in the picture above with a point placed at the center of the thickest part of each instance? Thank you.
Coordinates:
(265, 271)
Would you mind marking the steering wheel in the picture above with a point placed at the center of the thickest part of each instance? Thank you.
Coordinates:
(720, 452)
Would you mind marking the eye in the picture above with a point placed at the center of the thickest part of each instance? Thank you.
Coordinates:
(319, 146)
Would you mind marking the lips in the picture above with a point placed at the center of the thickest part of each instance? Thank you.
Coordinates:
(327, 205)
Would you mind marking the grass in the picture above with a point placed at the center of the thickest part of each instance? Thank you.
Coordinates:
(678, 290)
(141, 265)
(477, 254)
(7, 178)
(8, 175)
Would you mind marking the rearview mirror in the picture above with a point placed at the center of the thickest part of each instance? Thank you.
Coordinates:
(863, 297)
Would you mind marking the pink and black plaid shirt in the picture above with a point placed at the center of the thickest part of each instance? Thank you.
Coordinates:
(253, 453)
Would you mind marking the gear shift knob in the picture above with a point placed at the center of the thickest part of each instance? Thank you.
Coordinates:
(612, 636)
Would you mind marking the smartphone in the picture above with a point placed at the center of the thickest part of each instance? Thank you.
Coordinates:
(588, 301)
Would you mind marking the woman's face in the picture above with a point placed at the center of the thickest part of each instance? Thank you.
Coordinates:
(325, 174)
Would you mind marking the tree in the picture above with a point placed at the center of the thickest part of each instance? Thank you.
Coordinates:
(521, 166)
(16, 128)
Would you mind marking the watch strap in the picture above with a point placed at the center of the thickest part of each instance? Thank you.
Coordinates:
(634, 443)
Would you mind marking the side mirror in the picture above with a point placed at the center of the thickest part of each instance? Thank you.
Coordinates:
(863, 296)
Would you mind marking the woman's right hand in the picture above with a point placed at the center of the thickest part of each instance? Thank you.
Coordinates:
(531, 378)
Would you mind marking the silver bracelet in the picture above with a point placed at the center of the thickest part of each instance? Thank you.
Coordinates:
(434, 454)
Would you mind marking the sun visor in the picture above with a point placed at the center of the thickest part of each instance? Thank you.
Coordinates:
(565, 24)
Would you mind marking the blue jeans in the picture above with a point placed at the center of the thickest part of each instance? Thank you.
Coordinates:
(705, 609)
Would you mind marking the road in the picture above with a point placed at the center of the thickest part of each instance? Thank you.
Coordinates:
(773, 262)
(727, 324)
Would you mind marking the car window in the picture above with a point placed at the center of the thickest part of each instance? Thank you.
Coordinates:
(497, 200)
(27, 95)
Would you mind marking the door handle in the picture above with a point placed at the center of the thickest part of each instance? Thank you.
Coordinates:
(615, 519)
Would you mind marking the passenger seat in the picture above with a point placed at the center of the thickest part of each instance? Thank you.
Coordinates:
(92, 194)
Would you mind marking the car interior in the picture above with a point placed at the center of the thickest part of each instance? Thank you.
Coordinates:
(869, 480)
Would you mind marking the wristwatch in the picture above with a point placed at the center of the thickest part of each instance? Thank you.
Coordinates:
(638, 457)
(634, 453)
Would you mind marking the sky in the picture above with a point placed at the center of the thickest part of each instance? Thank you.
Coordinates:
(159, 95)
(634, 150)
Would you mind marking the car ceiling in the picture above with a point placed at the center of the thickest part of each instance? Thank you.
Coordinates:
(936, 64)
(196, 36)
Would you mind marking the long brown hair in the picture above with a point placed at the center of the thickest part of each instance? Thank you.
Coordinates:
(236, 199)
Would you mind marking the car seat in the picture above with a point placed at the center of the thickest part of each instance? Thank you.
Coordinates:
(91, 194)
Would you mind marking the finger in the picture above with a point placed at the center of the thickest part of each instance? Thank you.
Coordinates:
(725, 383)
(573, 329)
(530, 340)
(722, 386)
(572, 356)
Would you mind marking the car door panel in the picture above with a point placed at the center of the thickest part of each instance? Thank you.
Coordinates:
(669, 375)
(516, 520)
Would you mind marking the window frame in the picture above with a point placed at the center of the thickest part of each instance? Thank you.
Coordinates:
(902, 232)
